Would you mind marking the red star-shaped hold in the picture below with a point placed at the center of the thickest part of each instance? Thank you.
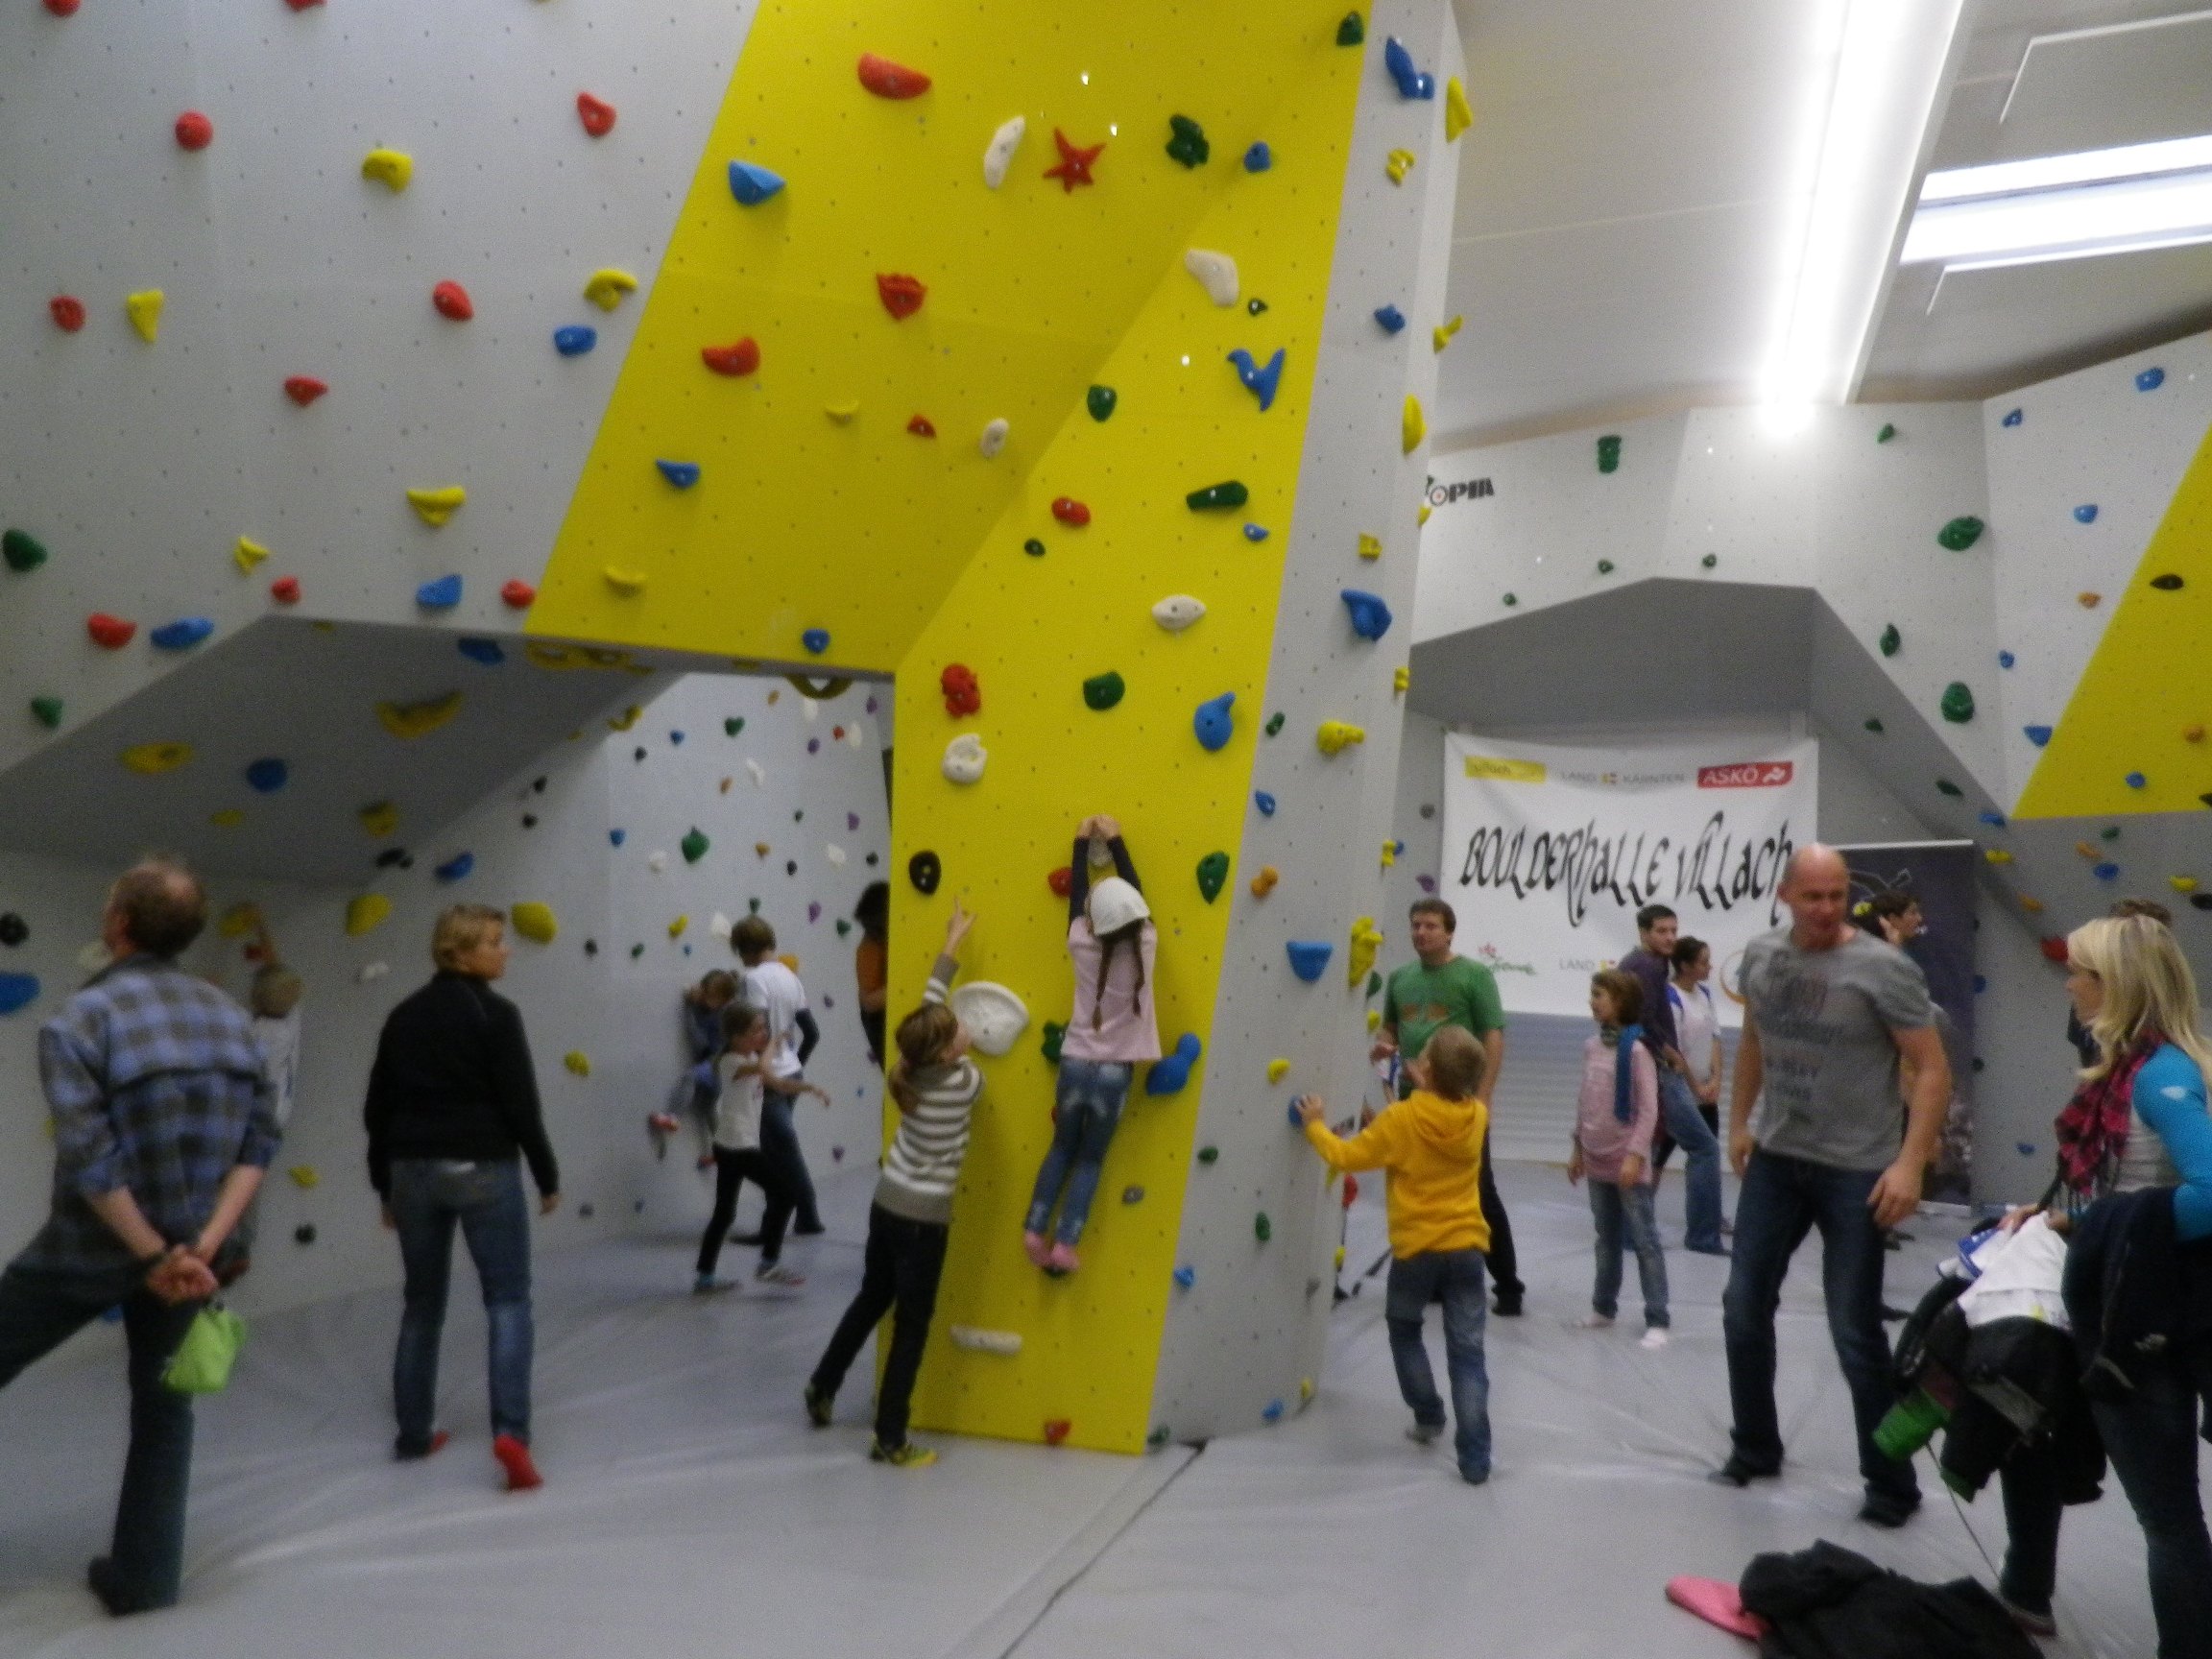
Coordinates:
(1074, 162)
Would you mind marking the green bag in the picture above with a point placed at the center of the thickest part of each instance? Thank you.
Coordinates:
(202, 1361)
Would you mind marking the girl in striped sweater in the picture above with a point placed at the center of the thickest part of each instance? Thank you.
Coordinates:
(935, 1085)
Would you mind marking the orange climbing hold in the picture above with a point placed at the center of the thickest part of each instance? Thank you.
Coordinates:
(1264, 883)
(888, 80)
(597, 114)
(902, 295)
(1076, 162)
(1070, 511)
(736, 360)
(1057, 1430)
(304, 389)
(110, 633)
(194, 130)
(922, 426)
(1059, 881)
(67, 312)
(453, 301)
(963, 694)
(518, 594)
(285, 590)
(2088, 601)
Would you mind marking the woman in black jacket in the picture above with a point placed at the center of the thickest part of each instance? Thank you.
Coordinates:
(452, 1110)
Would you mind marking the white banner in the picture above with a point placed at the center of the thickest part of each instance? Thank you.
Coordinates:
(1550, 852)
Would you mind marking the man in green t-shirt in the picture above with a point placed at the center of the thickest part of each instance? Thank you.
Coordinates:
(1444, 989)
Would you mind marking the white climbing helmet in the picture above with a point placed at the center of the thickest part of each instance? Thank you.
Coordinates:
(1114, 905)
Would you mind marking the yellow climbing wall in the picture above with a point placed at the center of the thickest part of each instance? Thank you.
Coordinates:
(909, 551)
(2144, 705)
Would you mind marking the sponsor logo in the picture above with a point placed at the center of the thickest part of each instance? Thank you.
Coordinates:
(1500, 770)
(1465, 489)
(1748, 775)
(1491, 958)
(1622, 779)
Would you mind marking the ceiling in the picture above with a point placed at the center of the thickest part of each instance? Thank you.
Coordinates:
(1627, 195)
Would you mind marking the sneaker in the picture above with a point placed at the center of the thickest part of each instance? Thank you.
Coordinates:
(808, 1229)
(903, 1457)
(1475, 1477)
(705, 1161)
(818, 1406)
(1592, 1321)
(1655, 1337)
(1736, 1472)
(1506, 1307)
(707, 1285)
(1424, 1433)
(1889, 1510)
(663, 1123)
(100, 1579)
(2035, 1624)
(750, 1241)
(1720, 1250)
(776, 1273)
(515, 1457)
(1037, 1247)
(1063, 1259)
(437, 1441)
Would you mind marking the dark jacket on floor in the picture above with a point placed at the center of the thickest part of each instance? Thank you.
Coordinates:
(453, 1079)
(1827, 1603)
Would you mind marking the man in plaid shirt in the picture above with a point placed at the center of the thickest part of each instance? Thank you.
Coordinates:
(163, 1128)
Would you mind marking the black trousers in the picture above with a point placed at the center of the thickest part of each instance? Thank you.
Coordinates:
(905, 1259)
(731, 1171)
(1505, 1266)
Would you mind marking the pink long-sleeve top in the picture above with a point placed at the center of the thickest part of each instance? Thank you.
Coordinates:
(1605, 1141)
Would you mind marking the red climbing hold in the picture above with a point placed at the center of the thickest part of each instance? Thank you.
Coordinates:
(1070, 511)
(2054, 947)
(453, 300)
(62, 8)
(1057, 1430)
(902, 295)
(110, 633)
(963, 695)
(285, 590)
(888, 80)
(301, 5)
(597, 114)
(194, 130)
(921, 427)
(67, 312)
(304, 389)
(740, 359)
(1074, 162)
(1060, 881)
(1351, 1190)
(518, 594)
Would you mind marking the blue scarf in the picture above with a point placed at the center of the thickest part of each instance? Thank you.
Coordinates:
(1624, 1071)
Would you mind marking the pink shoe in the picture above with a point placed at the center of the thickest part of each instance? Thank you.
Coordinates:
(1037, 1247)
(1062, 1259)
(515, 1457)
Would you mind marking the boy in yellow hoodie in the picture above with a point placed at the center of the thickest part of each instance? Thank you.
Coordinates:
(1431, 1144)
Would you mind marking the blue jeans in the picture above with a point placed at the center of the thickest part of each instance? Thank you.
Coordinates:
(429, 1197)
(2152, 1440)
(1782, 1200)
(1618, 1213)
(1453, 1278)
(41, 1308)
(780, 1139)
(1701, 1148)
(1087, 1110)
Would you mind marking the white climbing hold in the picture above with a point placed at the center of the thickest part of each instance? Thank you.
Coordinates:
(657, 862)
(964, 758)
(810, 710)
(1177, 612)
(980, 1342)
(1217, 273)
(855, 736)
(993, 439)
(719, 925)
(995, 1016)
(758, 772)
(834, 853)
(999, 154)
(370, 972)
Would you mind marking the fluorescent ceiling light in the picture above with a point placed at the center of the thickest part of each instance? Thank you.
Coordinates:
(2079, 206)
(2080, 167)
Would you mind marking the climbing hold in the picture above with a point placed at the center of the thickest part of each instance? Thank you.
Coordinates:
(999, 154)
(1275, 722)
(2105, 871)
(1071, 512)
(267, 775)
(1401, 678)
(1443, 333)
(2180, 884)
(1033, 547)
(1511, 599)
(1255, 532)
(1102, 691)
(1604, 566)
(1412, 426)
(1212, 723)
(1213, 874)
(1997, 856)
(393, 169)
(1264, 1230)
(304, 389)
(1963, 531)
(455, 868)
(694, 845)
(1186, 1277)
(1944, 787)
(1995, 820)
(963, 694)
(1173, 1071)
(842, 412)
(194, 130)
(1891, 640)
(2006, 659)
(752, 184)
(964, 758)
(1370, 616)
(365, 911)
(1264, 883)
(453, 301)
(379, 818)
(1370, 547)
(1609, 453)
(535, 921)
(110, 633)
(1888, 432)
(1186, 141)
(888, 80)
(574, 339)
(902, 295)
(677, 926)
(2088, 601)
(1396, 164)
(1259, 381)
(595, 113)
(1957, 705)
(2167, 584)
(394, 858)
(1411, 81)
(681, 473)
(2087, 850)
(1709, 559)
(434, 507)
(623, 580)
(1335, 734)
(1076, 162)
(986, 1341)
(993, 439)
(2150, 379)
(306, 1176)
(2135, 781)
(2085, 514)
(1366, 940)
(1259, 158)
(1177, 612)
(1217, 496)
(924, 870)
(410, 720)
(1217, 273)
(154, 758)
(23, 551)
(1390, 318)
(144, 309)
(606, 287)
(740, 358)
(67, 312)
(2013, 418)
(47, 711)
(815, 639)
(440, 594)
(578, 1061)
(921, 427)
(1310, 957)
(248, 554)
(2192, 733)
(1265, 802)
(1458, 113)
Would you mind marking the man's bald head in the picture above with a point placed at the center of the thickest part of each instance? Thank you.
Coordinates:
(1818, 861)
(1816, 886)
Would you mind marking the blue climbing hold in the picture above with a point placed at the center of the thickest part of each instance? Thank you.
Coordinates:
(182, 634)
(681, 473)
(753, 185)
(2025, 1148)
(1411, 81)
(484, 651)
(1308, 958)
(2106, 872)
(2013, 418)
(2136, 780)
(1255, 532)
(456, 867)
(1173, 1071)
(1995, 820)
(1259, 158)
(1291, 1110)
(1980, 983)
(1392, 318)
(1272, 1412)
(2005, 659)
(2038, 735)
(574, 340)
(676, 737)
(617, 836)
(1265, 802)
(17, 991)
(441, 594)
(1259, 381)
(268, 775)
(1212, 723)
(2085, 514)
(112, 1315)
(1370, 616)
(1186, 1277)
(815, 639)
(2150, 379)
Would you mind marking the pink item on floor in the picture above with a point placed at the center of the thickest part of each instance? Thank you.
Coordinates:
(1717, 1602)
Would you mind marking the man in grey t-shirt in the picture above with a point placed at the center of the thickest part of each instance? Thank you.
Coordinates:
(1829, 1011)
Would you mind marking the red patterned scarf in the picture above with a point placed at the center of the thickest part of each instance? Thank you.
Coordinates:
(2092, 1129)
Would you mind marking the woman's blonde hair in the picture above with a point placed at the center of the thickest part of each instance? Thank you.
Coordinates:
(2148, 985)
(460, 929)
(1455, 1061)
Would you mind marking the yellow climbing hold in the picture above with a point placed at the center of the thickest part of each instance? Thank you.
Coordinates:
(363, 911)
(1996, 856)
(843, 412)
(1413, 425)
(1401, 678)
(1374, 1019)
(1370, 547)
(542, 655)
(623, 721)
(248, 554)
(238, 921)
(1398, 163)
(410, 720)
(228, 818)
(1441, 335)
(1278, 1070)
(578, 1061)
(391, 168)
(2033, 907)
(1426, 510)
(1305, 1387)
(677, 926)
(1335, 734)
(1458, 113)
(1366, 940)
(434, 506)
(607, 287)
(153, 757)
(2182, 883)
(145, 312)
(535, 921)
(380, 818)
(1264, 883)
(2088, 849)
(624, 581)
(1389, 854)
(306, 1177)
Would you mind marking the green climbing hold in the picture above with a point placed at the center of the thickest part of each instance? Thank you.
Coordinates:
(1159, 1436)
(1512, 599)
(844, 926)
(47, 711)
(22, 550)
(2166, 584)
(1958, 702)
(1213, 874)
(1054, 1032)
(1214, 496)
(2110, 833)
(1874, 726)
(1033, 547)
(1604, 566)
(1609, 453)
(1891, 640)
(1353, 31)
(733, 726)
(694, 846)
(1709, 559)
(1207, 1154)
(1189, 144)
(1255, 306)
(1374, 982)
(636, 952)
(1101, 402)
(1275, 722)
(1263, 1229)
(1962, 533)
(1944, 787)
(1886, 433)
(1103, 690)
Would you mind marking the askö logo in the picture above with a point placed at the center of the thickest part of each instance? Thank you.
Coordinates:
(1748, 775)
(1466, 489)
